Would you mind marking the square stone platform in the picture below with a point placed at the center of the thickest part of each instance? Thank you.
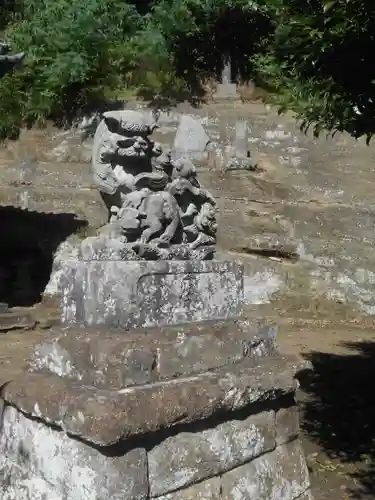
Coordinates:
(131, 294)
(226, 91)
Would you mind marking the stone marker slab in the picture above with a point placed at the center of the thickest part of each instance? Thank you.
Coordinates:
(241, 139)
(131, 294)
(191, 139)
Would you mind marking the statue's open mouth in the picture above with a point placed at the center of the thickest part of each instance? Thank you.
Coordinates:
(135, 152)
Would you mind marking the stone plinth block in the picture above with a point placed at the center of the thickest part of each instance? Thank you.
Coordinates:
(209, 452)
(38, 462)
(230, 433)
(130, 294)
(105, 417)
(106, 358)
(226, 91)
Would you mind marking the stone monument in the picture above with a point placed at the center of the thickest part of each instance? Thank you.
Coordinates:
(191, 139)
(156, 386)
(152, 263)
(241, 157)
(226, 89)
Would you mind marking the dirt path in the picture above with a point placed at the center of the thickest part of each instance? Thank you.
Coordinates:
(337, 406)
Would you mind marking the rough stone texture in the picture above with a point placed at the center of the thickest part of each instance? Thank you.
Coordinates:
(279, 475)
(236, 459)
(239, 157)
(287, 424)
(187, 458)
(16, 319)
(116, 128)
(137, 294)
(226, 89)
(191, 139)
(105, 247)
(66, 251)
(104, 417)
(113, 360)
(241, 139)
(52, 466)
(207, 490)
(157, 207)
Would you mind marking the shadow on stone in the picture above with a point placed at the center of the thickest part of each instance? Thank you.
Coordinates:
(339, 411)
(28, 243)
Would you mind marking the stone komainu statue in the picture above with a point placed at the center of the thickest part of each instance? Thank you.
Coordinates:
(156, 206)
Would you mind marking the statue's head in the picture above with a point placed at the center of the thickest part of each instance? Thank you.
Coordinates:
(206, 219)
(184, 168)
(135, 147)
(129, 123)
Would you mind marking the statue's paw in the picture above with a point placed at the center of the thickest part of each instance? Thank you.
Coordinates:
(162, 241)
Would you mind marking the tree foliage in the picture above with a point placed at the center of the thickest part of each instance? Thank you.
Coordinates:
(199, 34)
(8, 12)
(319, 58)
(75, 51)
(314, 53)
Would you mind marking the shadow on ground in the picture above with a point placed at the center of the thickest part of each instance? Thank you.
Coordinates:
(338, 413)
(28, 243)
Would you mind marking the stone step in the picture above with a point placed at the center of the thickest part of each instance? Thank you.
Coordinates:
(116, 359)
(104, 417)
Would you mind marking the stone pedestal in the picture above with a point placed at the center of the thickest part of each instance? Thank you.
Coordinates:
(131, 294)
(109, 359)
(226, 91)
(195, 411)
(156, 387)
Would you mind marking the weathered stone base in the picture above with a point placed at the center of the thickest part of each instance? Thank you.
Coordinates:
(235, 460)
(226, 434)
(226, 91)
(130, 294)
(109, 359)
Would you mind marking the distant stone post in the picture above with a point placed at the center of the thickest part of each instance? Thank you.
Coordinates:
(241, 157)
(226, 89)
